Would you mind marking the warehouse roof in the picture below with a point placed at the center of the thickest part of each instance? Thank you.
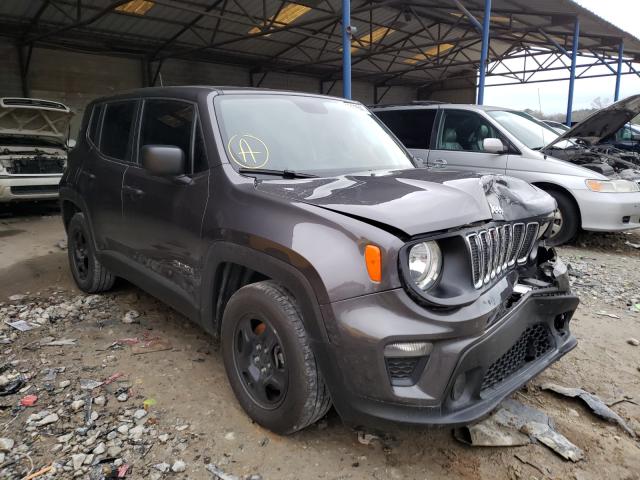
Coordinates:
(409, 42)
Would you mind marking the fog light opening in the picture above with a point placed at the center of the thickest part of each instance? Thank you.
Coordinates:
(560, 323)
(458, 387)
(408, 349)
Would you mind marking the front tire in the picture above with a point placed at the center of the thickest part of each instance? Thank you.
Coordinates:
(269, 361)
(89, 274)
(566, 219)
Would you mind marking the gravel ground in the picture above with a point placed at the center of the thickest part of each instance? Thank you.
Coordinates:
(119, 384)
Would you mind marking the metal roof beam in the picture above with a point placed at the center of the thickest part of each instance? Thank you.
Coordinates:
(112, 6)
(186, 27)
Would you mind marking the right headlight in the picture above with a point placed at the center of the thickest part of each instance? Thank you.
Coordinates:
(612, 186)
(425, 264)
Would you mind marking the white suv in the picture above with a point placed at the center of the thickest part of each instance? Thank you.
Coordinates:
(33, 148)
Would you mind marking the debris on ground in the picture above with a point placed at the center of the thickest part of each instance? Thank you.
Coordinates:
(28, 400)
(515, 424)
(131, 317)
(152, 345)
(219, 474)
(593, 402)
(21, 325)
(367, 438)
(633, 341)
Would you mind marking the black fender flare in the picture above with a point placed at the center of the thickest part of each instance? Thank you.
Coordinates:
(291, 278)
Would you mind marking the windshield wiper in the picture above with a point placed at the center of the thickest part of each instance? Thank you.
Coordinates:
(279, 173)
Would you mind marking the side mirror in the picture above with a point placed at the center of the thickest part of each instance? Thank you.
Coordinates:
(163, 160)
(493, 145)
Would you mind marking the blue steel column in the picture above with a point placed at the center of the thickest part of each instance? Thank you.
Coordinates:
(616, 97)
(346, 49)
(485, 49)
(572, 74)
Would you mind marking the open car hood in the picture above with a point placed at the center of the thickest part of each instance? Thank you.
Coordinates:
(418, 200)
(29, 117)
(603, 123)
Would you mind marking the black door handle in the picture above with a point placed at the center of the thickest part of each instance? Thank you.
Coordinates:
(132, 191)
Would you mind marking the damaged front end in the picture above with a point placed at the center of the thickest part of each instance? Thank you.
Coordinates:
(498, 314)
(591, 143)
(33, 148)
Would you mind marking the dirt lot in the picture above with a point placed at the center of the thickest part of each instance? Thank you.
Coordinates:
(196, 419)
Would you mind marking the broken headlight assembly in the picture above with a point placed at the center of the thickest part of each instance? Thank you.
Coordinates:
(612, 186)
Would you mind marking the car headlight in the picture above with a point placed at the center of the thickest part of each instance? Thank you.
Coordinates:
(425, 264)
(612, 186)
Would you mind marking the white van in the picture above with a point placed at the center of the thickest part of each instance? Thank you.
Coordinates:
(596, 187)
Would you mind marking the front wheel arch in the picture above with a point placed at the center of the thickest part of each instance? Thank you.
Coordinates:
(554, 186)
(262, 266)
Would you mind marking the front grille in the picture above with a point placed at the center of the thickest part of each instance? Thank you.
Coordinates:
(495, 249)
(36, 165)
(30, 189)
(534, 342)
(402, 369)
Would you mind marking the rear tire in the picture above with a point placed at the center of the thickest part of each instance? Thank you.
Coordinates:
(269, 361)
(89, 274)
(566, 221)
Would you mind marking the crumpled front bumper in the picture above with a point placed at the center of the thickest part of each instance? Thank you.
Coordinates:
(469, 345)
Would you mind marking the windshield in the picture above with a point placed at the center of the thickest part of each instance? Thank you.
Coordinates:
(305, 134)
(528, 130)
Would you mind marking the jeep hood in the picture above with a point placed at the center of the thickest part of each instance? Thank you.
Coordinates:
(603, 123)
(32, 118)
(418, 200)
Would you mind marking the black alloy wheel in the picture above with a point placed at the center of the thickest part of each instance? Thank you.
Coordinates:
(260, 361)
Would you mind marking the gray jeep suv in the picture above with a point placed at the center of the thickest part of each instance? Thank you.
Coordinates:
(297, 230)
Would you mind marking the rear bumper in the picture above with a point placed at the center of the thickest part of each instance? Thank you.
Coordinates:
(607, 212)
(29, 187)
(451, 386)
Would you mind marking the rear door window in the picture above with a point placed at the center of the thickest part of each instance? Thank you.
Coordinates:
(169, 122)
(413, 126)
(116, 129)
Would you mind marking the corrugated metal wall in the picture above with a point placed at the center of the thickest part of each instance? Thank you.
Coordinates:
(76, 78)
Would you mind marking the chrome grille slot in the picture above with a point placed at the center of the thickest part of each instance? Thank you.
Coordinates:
(495, 250)
(518, 231)
(529, 237)
(486, 254)
(508, 245)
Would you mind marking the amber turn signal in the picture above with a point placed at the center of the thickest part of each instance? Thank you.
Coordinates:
(373, 259)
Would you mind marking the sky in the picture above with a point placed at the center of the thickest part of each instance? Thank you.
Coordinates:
(551, 97)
